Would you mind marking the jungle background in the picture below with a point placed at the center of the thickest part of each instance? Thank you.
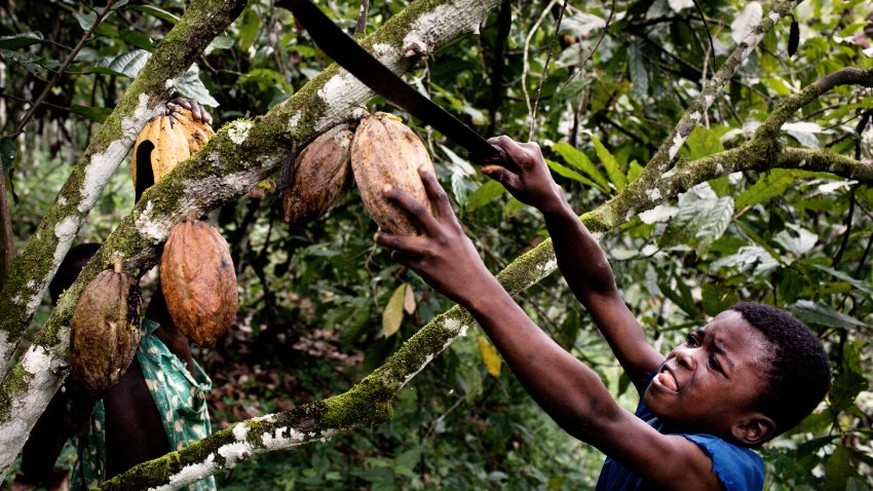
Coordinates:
(600, 85)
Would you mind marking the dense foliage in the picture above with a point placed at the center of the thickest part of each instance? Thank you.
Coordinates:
(319, 303)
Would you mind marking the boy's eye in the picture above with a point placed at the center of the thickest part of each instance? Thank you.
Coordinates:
(713, 363)
(691, 340)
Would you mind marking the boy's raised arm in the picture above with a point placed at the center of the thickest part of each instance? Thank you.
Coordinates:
(570, 392)
(580, 258)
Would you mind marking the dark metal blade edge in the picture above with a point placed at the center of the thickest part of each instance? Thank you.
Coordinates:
(347, 53)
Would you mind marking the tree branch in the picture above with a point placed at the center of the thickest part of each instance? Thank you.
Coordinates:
(30, 274)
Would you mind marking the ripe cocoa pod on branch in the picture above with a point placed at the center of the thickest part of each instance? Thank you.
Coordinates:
(198, 281)
(320, 176)
(386, 151)
(105, 330)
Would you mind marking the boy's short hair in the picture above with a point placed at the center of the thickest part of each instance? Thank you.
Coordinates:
(70, 268)
(800, 373)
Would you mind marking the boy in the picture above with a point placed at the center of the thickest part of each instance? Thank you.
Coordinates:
(749, 374)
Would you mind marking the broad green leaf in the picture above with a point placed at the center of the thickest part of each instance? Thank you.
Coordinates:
(19, 41)
(799, 242)
(771, 185)
(490, 357)
(157, 12)
(486, 193)
(98, 114)
(851, 379)
(634, 171)
(392, 316)
(613, 168)
(701, 220)
(754, 260)
(249, 23)
(703, 142)
(127, 64)
(581, 161)
(822, 315)
(86, 20)
(137, 39)
(569, 173)
(858, 284)
(192, 87)
(637, 72)
(838, 468)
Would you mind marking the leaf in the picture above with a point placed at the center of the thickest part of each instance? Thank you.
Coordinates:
(19, 41)
(773, 184)
(703, 142)
(702, 219)
(569, 173)
(409, 300)
(127, 64)
(821, 315)
(191, 87)
(157, 12)
(805, 132)
(746, 21)
(581, 161)
(486, 193)
(613, 168)
(679, 5)
(98, 114)
(249, 24)
(637, 72)
(851, 379)
(490, 356)
(860, 285)
(392, 316)
(86, 20)
(798, 243)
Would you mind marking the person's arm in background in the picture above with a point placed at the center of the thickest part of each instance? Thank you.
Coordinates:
(581, 260)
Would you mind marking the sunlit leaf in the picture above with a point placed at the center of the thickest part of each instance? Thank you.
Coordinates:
(156, 12)
(409, 300)
(613, 168)
(490, 356)
(822, 315)
(744, 23)
(392, 316)
(192, 87)
(126, 64)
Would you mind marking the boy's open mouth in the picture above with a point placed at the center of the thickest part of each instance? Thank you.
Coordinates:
(667, 380)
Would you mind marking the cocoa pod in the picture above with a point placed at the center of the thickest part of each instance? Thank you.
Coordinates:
(105, 330)
(386, 151)
(174, 137)
(198, 281)
(320, 177)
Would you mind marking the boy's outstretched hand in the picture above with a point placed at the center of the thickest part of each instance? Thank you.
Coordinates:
(525, 174)
(442, 255)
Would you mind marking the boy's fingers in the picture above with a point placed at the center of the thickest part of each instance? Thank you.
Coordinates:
(406, 245)
(412, 206)
(436, 193)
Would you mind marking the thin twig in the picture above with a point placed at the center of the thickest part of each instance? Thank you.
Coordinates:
(533, 116)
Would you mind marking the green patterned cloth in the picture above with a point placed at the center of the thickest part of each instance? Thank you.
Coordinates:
(179, 397)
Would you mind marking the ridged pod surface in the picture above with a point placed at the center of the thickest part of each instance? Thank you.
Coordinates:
(175, 138)
(105, 330)
(198, 281)
(321, 176)
(386, 151)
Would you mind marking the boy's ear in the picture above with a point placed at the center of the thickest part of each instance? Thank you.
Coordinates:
(755, 429)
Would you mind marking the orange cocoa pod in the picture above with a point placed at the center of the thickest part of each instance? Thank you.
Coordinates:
(198, 281)
(321, 176)
(386, 151)
(105, 330)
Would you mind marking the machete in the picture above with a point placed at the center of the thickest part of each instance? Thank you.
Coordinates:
(347, 53)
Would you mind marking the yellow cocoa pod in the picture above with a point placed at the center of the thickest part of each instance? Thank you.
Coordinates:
(169, 147)
(105, 330)
(320, 176)
(196, 133)
(198, 281)
(386, 151)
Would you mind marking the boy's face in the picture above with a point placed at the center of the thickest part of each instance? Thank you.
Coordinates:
(710, 382)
